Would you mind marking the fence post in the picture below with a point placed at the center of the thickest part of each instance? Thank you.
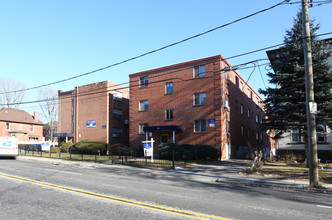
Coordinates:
(70, 153)
(173, 160)
(50, 152)
(95, 156)
(33, 152)
(82, 155)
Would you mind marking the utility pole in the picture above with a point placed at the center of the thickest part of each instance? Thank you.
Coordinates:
(309, 87)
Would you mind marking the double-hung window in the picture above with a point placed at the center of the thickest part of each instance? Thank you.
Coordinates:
(295, 135)
(143, 105)
(321, 135)
(199, 71)
(169, 88)
(200, 126)
(144, 81)
(169, 114)
(241, 109)
(200, 98)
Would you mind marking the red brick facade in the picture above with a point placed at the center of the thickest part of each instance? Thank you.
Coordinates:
(209, 89)
(88, 112)
(21, 125)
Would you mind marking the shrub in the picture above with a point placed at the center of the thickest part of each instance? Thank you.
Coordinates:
(167, 151)
(187, 151)
(65, 146)
(55, 149)
(90, 147)
(119, 149)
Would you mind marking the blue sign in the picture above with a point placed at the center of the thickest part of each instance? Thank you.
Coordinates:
(103, 127)
(147, 146)
(212, 122)
(91, 124)
(7, 144)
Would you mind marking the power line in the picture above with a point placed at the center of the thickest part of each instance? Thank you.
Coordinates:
(154, 51)
(96, 91)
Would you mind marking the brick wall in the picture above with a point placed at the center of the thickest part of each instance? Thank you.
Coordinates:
(214, 85)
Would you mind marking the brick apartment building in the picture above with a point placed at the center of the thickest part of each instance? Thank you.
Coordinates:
(21, 125)
(196, 103)
(95, 112)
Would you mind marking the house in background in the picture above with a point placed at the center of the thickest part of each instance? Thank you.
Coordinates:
(293, 140)
(95, 112)
(200, 102)
(21, 125)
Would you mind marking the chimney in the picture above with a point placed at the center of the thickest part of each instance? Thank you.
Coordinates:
(35, 116)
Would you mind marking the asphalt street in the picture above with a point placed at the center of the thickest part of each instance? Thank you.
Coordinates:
(47, 189)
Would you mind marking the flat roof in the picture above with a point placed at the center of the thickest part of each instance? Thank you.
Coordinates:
(178, 65)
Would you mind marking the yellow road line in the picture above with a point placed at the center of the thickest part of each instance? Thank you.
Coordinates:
(117, 199)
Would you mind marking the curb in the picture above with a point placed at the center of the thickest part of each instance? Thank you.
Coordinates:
(295, 187)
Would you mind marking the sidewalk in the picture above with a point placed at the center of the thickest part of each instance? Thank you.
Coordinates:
(219, 172)
(228, 172)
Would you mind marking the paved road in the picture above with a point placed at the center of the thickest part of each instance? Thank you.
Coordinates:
(50, 190)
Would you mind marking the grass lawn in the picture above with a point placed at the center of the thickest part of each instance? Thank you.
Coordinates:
(295, 171)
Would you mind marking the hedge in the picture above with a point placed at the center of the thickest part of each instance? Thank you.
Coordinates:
(90, 147)
(187, 151)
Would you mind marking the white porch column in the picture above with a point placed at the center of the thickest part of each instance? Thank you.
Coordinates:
(174, 137)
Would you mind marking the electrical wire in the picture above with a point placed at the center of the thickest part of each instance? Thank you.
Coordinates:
(102, 90)
(154, 51)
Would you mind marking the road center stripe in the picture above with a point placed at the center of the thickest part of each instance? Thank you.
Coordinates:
(188, 214)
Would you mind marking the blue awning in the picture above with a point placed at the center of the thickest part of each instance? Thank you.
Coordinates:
(163, 128)
(63, 135)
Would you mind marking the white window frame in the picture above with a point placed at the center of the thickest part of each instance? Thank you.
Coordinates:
(321, 136)
(31, 128)
(295, 133)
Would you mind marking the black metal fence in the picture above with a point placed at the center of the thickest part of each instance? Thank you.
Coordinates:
(126, 157)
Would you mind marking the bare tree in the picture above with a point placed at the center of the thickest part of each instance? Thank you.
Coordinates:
(11, 93)
(49, 108)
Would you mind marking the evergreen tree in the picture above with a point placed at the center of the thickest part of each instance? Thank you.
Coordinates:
(285, 104)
